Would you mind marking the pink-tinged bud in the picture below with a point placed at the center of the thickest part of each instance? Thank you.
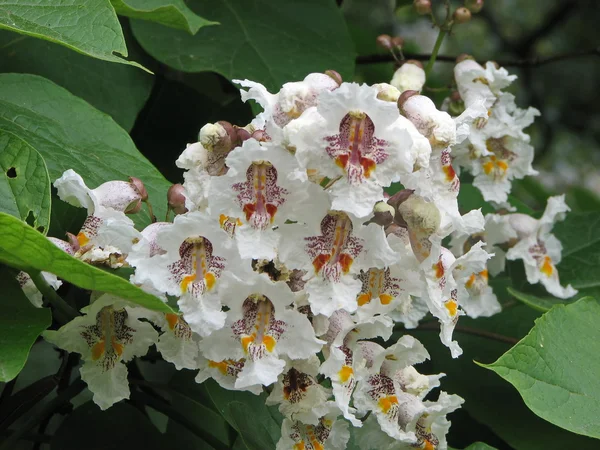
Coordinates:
(176, 199)
(134, 207)
(243, 135)
(463, 56)
(399, 197)
(474, 5)
(335, 76)
(404, 97)
(261, 136)
(385, 41)
(422, 7)
(462, 15)
(397, 41)
(230, 130)
(414, 62)
(383, 214)
(138, 185)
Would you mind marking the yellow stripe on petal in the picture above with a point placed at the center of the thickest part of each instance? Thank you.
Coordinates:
(345, 373)
(210, 280)
(186, 281)
(385, 299)
(547, 268)
(98, 350)
(82, 239)
(220, 365)
(269, 342)
(385, 403)
(246, 341)
(452, 307)
(363, 299)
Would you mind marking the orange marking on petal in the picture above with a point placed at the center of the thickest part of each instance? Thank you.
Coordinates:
(186, 281)
(428, 446)
(247, 340)
(299, 446)
(249, 209)
(385, 299)
(82, 239)
(118, 347)
(439, 269)
(470, 281)
(502, 165)
(317, 445)
(210, 280)
(368, 166)
(271, 210)
(547, 268)
(172, 320)
(320, 261)
(220, 365)
(345, 373)
(488, 167)
(98, 350)
(385, 403)
(452, 307)
(363, 299)
(269, 342)
(484, 274)
(346, 261)
(449, 171)
(342, 161)
(222, 219)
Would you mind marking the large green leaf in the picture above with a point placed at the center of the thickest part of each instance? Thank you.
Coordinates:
(555, 367)
(70, 134)
(122, 427)
(20, 325)
(115, 89)
(26, 249)
(268, 42)
(88, 27)
(172, 13)
(477, 446)
(24, 182)
(488, 398)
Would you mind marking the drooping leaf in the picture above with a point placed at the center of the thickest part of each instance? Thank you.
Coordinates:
(268, 42)
(20, 325)
(26, 249)
(172, 13)
(252, 430)
(122, 427)
(555, 367)
(24, 182)
(70, 134)
(488, 398)
(88, 27)
(116, 89)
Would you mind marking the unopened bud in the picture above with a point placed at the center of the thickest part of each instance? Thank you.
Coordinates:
(420, 215)
(385, 41)
(399, 197)
(414, 62)
(409, 77)
(422, 7)
(387, 92)
(230, 131)
(462, 57)
(383, 214)
(335, 76)
(474, 5)
(242, 134)
(214, 137)
(138, 185)
(176, 199)
(397, 41)
(455, 96)
(404, 97)
(462, 15)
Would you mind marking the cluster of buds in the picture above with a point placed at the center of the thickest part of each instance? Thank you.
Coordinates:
(288, 258)
(461, 15)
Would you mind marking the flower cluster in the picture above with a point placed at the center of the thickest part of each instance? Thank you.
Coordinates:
(287, 256)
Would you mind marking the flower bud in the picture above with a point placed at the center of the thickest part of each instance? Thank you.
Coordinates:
(474, 5)
(335, 76)
(214, 137)
(138, 185)
(387, 92)
(422, 7)
(242, 134)
(384, 41)
(420, 215)
(397, 41)
(462, 57)
(383, 214)
(230, 131)
(404, 97)
(176, 199)
(409, 77)
(399, 197)
(462, 15)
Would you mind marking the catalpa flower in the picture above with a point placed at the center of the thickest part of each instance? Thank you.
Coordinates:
(475, 82)
(333, 256)
(356, 140)
(107, 336)
(328, 434)
(263, 188)
(226, 373)
(261, 328)
(539, 249)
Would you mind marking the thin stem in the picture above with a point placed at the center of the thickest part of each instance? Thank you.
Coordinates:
(436, 49)
(47, 409)
(51, 295)
(152, 216)
(431, 326)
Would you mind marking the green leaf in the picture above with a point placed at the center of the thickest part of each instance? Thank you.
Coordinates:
(122, 427)
(88, 27)
(540, 303)
(172, 13)
(70, 134)
(253, 432)
(24, 183)
(26, 249)
(116, 89)
(555, 367)
(477, 446)
(271, 43)
(20, 325)
(488, 398)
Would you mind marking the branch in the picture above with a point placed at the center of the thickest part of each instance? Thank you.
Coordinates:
(433, 326)
(526, 62)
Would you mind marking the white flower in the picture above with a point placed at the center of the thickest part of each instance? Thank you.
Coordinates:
(435, 125)
(298, 393)
(409, 77)
(332, 257)
(328, 434)
(31, 291)
(225, 372)
(474, 82)
(107, 336)
(260, 327)
(352, 139)
(263, 188)
(541, 251)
